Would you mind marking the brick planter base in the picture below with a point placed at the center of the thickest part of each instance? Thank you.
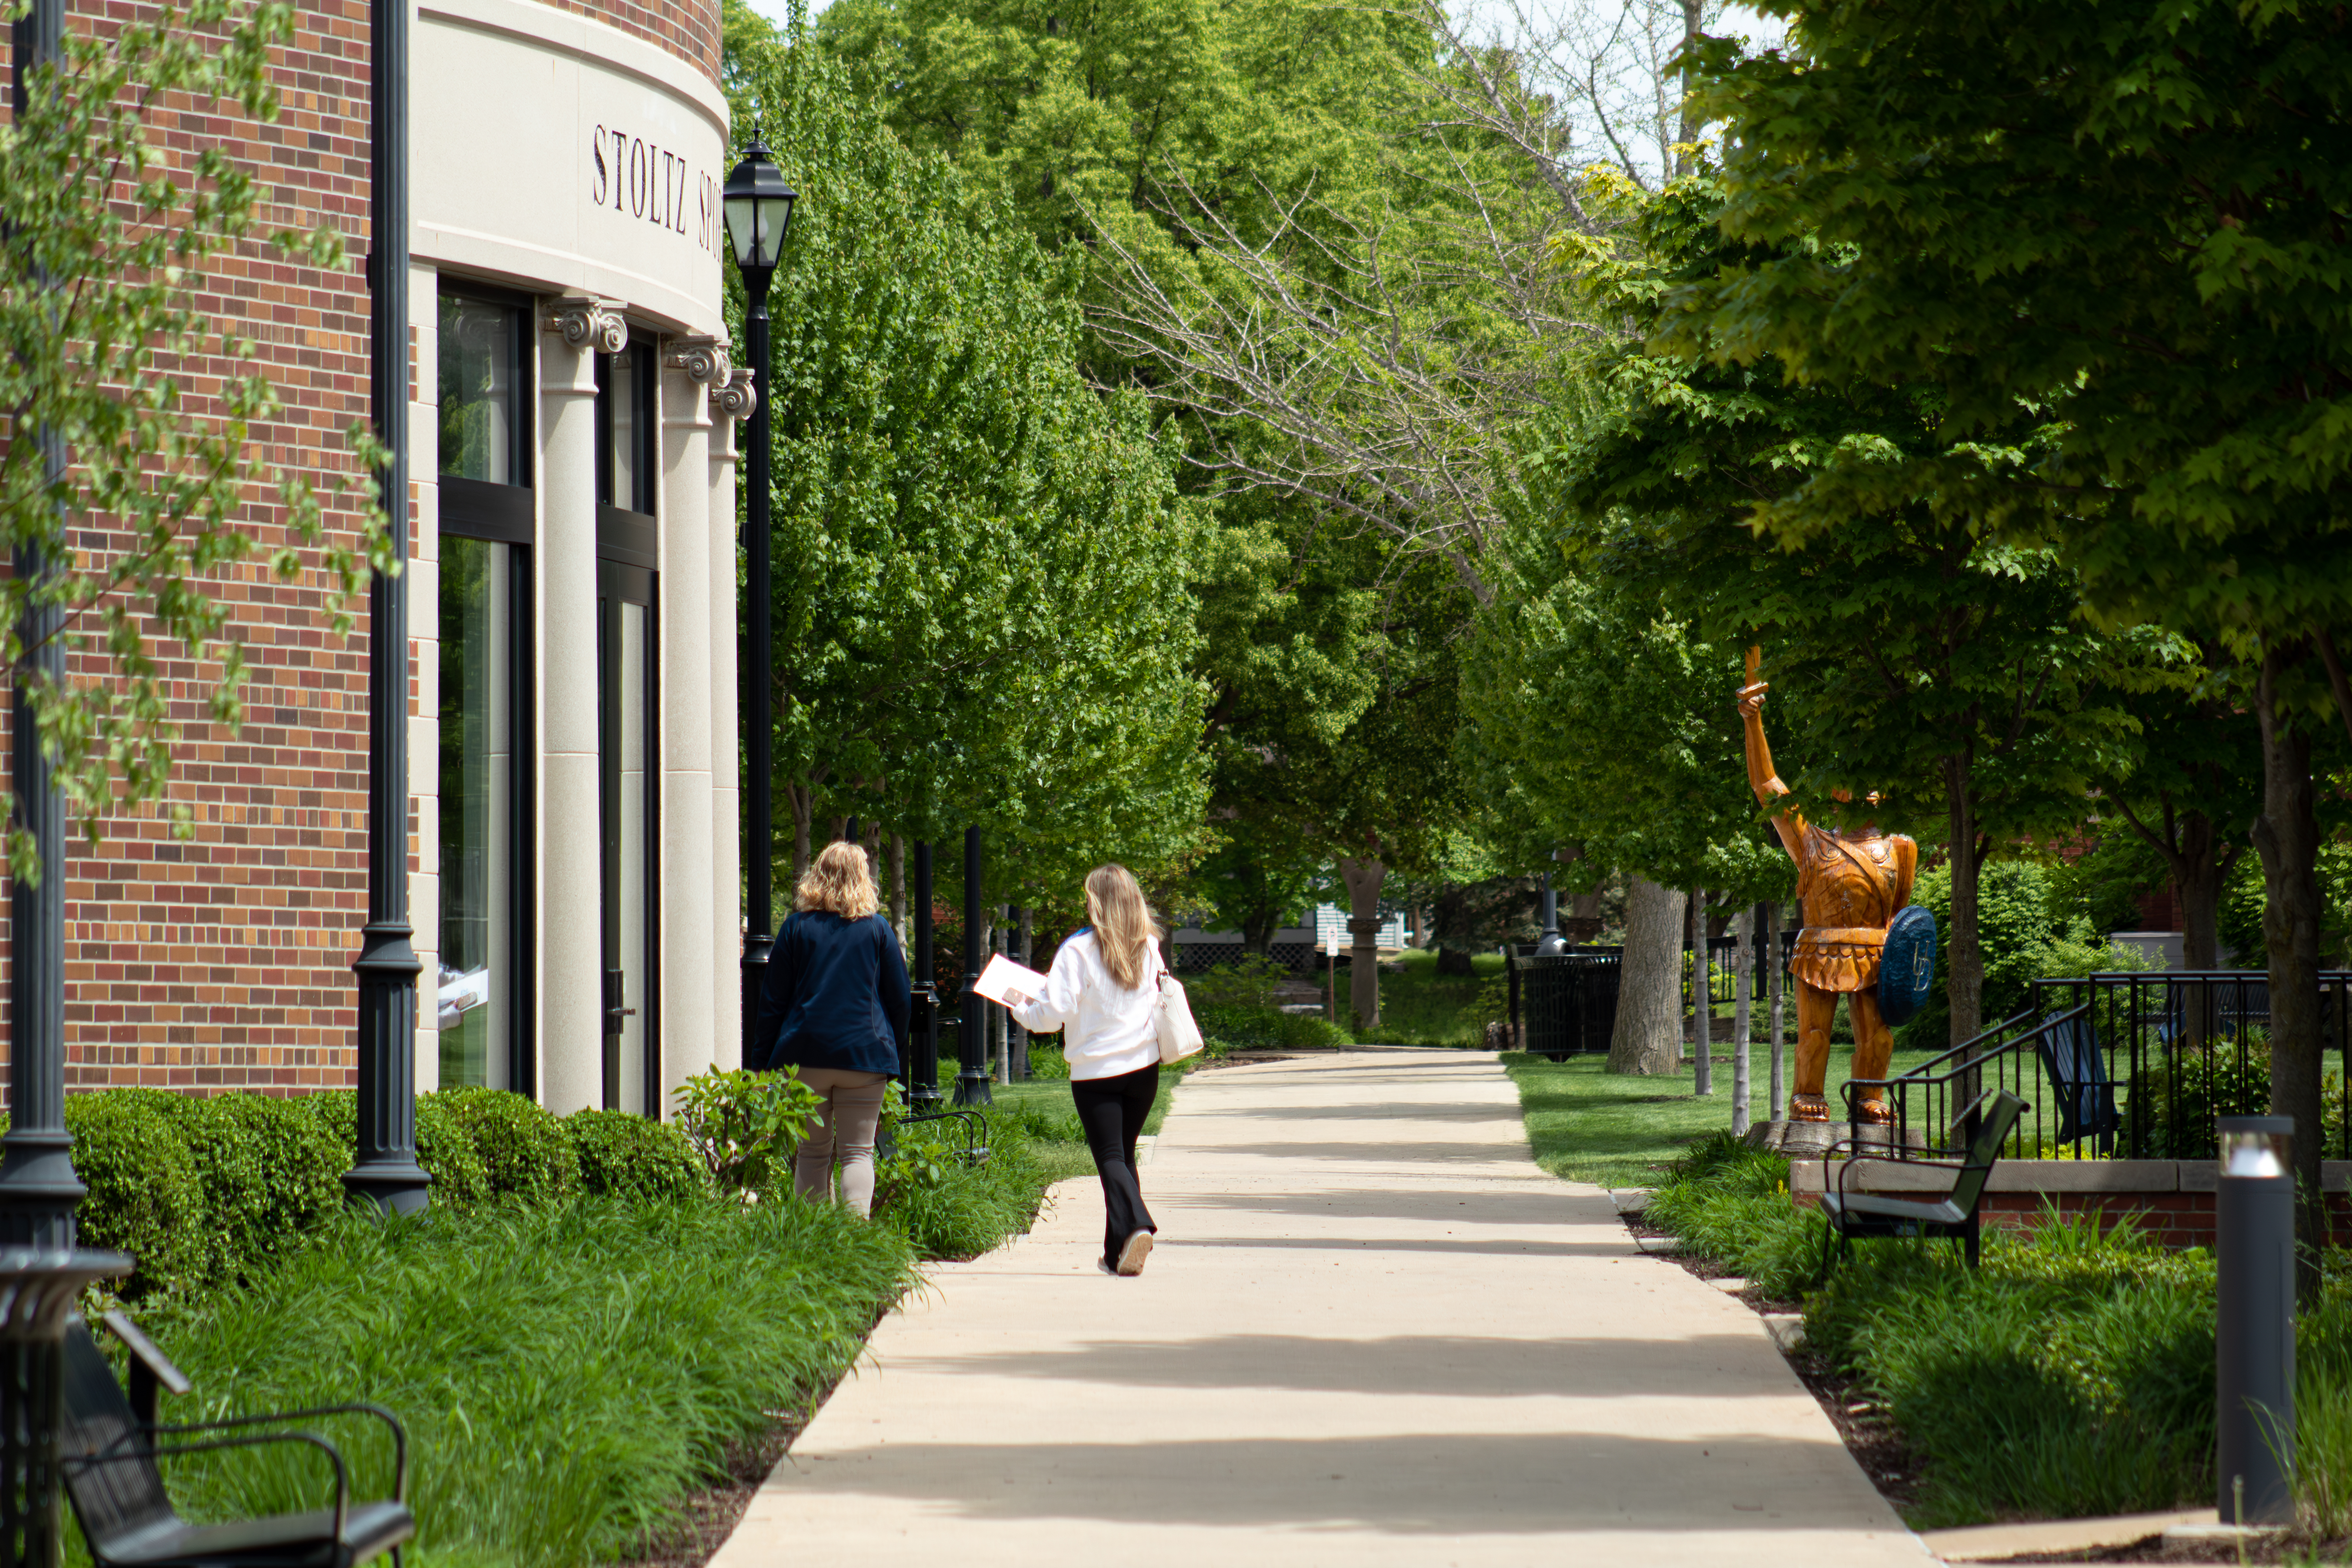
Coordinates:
(2172, 1199)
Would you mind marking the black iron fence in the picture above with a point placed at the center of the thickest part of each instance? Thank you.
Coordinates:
(2124, 1065)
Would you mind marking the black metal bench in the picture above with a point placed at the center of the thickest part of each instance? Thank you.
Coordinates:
(109, 1447)
(1858, 1215)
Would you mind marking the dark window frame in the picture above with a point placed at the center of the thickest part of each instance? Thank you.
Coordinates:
(508, 514)
(647, 437)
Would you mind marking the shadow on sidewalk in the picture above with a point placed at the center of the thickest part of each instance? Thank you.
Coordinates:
(1439, 1366)
(1401, 1484)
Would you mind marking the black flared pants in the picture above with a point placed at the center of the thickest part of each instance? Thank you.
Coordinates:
(1113, 1110)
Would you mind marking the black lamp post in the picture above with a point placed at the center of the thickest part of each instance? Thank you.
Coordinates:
(923, 1073)
(759, 208)
(971, 1041)
(385, 1172)
(39, 1188)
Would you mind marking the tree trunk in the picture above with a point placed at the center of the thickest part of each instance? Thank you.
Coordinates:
(1778, 1097)
(1694, 18)
(1702, 1001)
(1364, 878)
(803, 802)
(899, 888)
(2198, 875)
(1257, 932)
(2286, 835)
(1743, 927)
(1647, 1040)
(1964, 973)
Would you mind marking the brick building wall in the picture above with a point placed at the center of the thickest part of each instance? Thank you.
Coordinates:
(223, 961)
(690, 29)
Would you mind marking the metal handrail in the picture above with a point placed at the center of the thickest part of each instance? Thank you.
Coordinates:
(1968, 1061)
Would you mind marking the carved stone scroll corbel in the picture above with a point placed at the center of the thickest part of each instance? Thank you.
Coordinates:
(703, 359)
(590, 322)
(736, 398)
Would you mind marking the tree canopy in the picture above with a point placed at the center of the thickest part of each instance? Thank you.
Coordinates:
(981, 565)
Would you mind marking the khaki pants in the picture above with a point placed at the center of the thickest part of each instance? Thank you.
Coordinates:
(853, 1108)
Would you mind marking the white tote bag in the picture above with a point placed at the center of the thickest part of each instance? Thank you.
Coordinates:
(1172, 1020)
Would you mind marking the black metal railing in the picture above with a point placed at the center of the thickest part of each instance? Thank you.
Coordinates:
(1935, 1103)
(2126, 1066)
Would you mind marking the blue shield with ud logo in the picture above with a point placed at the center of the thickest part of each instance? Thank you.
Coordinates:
(1906, 967)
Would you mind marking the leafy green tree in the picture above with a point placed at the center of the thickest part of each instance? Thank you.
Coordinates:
(980, 563)
(2129, 219)
(119, 499)
(1612, 727)
(1956, 679)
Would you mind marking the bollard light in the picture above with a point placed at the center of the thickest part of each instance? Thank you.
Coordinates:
(2254, 1364)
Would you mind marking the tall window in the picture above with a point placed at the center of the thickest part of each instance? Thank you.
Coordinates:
(485, 535)
(627, 556)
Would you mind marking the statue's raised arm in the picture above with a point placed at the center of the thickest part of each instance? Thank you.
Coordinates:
(1760, 778)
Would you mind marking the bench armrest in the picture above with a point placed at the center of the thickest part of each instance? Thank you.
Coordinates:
(399, 1433)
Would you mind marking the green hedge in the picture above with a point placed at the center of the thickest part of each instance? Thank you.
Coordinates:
(622, 1156)
(1241, 1027)
(203, 1191)
(523, 1144)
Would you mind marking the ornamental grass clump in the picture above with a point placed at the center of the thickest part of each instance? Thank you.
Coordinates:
(569, 1374)
(1730, 1204)
(2072, 1373)
(948, 1209)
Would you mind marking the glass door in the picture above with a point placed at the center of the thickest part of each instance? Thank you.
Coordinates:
(626, 713)
(484, 926)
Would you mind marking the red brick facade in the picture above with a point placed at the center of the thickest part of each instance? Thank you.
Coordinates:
(223, 962)
(2174, 1219)
(690, 29)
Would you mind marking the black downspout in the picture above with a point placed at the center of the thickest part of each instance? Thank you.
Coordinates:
(385, 1173)
(972, 1042)
(923, 1079)
(39, 1188)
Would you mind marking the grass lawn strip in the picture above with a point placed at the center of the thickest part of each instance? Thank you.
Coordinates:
(1588, 1124)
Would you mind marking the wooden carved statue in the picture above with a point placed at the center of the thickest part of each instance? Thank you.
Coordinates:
(1852, 886)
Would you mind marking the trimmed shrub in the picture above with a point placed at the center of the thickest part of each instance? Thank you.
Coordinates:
(1247, 1028)
(145, 1197)
(271, 1174)
(444, 1148)
(625, 1155)
(524, 1149)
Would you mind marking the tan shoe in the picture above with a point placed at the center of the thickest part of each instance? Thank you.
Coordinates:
(1131, 1256)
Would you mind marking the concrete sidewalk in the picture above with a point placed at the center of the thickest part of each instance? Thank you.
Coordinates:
(1373, 1332)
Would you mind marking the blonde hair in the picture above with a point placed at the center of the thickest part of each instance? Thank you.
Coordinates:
(838, 879)
(1124, 929)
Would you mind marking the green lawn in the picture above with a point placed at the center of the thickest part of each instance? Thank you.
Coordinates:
(1422, 1007)
(1589, 1125)
(1050, 1118)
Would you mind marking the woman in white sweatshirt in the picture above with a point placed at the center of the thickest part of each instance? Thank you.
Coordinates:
(1100, 994)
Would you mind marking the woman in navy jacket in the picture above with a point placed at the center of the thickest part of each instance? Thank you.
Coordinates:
(836, 1007)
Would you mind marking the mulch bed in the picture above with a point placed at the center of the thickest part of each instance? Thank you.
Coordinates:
(2152, 1549)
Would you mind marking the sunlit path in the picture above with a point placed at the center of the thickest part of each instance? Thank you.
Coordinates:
(1372, 1333)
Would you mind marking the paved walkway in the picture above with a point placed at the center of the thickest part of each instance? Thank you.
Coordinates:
(1373, 1332)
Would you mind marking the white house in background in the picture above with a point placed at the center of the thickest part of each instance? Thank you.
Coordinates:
(1297, 946)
